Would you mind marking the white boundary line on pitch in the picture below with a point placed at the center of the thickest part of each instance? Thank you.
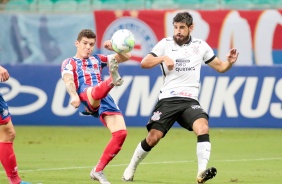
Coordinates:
(146, 163)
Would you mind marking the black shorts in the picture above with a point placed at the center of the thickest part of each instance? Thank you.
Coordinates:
(184, 111)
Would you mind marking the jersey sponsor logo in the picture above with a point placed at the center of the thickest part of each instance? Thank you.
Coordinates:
(184, 69)
(156, 116)
(181, 93)
(181, 65)
(183, 61)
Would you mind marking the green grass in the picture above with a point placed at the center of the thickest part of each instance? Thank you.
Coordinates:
(63, 155)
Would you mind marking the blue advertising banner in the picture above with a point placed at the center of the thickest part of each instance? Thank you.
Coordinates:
(243, 97)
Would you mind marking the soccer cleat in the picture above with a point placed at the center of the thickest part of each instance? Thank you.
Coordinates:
(99, 176)
(206, 175)
(24, 182)
(128, 174)
(113, 67)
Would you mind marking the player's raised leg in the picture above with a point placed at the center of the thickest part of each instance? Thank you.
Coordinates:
(113, 68)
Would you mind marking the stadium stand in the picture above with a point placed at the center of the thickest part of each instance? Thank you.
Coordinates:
(17, 5)
(88, 5)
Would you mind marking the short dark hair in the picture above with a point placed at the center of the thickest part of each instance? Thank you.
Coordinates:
(184, 17)
(88, 33)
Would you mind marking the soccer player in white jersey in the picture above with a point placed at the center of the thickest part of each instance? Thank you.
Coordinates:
(180, 59)
(82, 75)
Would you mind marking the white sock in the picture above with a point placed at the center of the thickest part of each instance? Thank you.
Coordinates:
(138, 156)
(203, 154)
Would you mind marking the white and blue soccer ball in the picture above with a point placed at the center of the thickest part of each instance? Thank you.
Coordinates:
(123, 41)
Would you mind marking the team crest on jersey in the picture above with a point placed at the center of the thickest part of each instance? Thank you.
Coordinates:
(156, 116)
(95, 66)
(94, 63)
(196, 49)
(93, 60)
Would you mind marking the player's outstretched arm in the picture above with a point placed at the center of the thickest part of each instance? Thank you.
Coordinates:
(222, 66)
(120, 57)
(150, 61)
(70, 87)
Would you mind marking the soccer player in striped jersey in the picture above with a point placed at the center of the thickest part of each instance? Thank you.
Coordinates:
(7, 136)
(180, 58)
(89, 93)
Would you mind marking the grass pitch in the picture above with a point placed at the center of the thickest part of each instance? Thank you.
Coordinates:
(64, 155)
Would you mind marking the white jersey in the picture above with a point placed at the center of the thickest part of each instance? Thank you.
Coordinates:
(184, 79)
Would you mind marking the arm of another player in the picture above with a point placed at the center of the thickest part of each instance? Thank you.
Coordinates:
(4, 74)
(150, 61)
(120, 57)
(70, 87)
(222, 66)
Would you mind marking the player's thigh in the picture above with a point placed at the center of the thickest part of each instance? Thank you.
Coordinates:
(7, 131)
(115, 122)
(164, 115)
(190, 115)
(91, 101)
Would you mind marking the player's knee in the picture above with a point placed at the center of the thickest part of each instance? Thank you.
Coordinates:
(153, 139)
(204, 129)
(201, 126)
(145, 146)
(120, 136)
(97, 94)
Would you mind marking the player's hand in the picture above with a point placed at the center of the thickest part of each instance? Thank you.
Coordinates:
(232, 56)
(168, 62)
(75, 102)
(108, 45)
(4, 74)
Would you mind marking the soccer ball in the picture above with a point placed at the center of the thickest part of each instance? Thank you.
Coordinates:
(123, 41)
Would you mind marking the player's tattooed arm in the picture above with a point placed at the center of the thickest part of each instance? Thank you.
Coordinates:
(69, 82)
(71, 89)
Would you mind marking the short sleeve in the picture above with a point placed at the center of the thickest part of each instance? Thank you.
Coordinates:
(209, 54)
(68, 66)
(159, 48)
(104, 59)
